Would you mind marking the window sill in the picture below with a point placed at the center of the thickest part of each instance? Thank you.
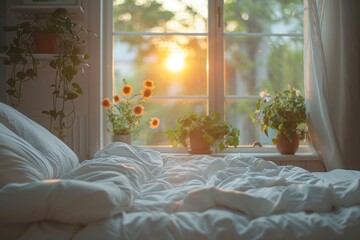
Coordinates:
(268, 152)
(305, 157)
(265, 156)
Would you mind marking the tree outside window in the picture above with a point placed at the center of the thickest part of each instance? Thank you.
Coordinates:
(168, 42)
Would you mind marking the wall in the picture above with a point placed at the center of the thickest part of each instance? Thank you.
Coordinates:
(36, 94)
(2, 42)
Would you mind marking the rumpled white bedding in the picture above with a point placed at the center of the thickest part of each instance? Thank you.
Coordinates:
(129, 192)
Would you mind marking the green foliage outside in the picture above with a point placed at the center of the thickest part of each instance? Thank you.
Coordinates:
(283, 63)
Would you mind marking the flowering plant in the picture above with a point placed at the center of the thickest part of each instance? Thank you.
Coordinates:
(126, 111)
(285, 113)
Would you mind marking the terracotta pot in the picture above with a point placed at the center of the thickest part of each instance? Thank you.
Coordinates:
(284, 146)
(125, 138)
(197, 144)
(45, 42)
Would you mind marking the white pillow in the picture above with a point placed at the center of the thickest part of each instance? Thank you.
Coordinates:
(67, 201)
(19, 161)
(58, 154)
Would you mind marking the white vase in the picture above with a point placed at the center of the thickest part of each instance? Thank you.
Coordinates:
(126, 138)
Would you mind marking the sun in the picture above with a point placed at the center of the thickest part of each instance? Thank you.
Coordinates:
(175, 62)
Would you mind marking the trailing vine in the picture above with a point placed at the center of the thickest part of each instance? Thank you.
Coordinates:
(68, 61)
(18, 56)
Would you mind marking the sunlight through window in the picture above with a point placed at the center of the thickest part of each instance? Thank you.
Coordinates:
(175, 62)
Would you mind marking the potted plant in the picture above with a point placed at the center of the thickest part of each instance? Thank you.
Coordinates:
(286, 114)
(46, 30)
(203, 131)
(67, 62)
(126, 111)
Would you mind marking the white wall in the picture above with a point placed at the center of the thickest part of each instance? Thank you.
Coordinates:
(2, 42)
(84, 136)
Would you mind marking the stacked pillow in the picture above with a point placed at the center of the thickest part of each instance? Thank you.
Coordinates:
(28, 151)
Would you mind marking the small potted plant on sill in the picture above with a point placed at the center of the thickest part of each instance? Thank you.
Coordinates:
(125, 112)
(286, 114)
(203, 131)
(67, 62)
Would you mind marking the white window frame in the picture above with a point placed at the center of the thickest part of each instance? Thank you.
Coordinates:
(215, 71)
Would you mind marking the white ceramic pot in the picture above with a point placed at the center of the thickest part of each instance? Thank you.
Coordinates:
(126, 138)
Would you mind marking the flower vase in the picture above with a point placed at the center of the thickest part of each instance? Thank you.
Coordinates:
(125, 138)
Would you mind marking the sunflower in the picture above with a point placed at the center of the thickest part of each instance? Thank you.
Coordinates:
(117, 98)
(126, 90)
(147, 93)
(106, 103)
(138, 110)
(154, 122)
(149, 84)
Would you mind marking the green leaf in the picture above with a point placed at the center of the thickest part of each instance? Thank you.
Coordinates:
(11, 82)
(10, 92)
(71, 96)
(30, 72)
(221, 146)
(77, 88)
(53, 114)
(21, 75)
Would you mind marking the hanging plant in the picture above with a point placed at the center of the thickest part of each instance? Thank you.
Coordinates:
(18, 56)
(67, 62)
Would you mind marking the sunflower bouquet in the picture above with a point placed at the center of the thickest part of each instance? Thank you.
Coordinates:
(125, 111)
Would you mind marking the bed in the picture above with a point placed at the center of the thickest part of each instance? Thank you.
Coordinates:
(133, 192)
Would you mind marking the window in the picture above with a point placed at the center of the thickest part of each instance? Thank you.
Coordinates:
(207, 56)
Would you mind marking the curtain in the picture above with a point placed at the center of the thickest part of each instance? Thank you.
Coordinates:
(332, 80)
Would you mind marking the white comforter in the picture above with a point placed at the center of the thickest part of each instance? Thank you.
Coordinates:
(129, 192)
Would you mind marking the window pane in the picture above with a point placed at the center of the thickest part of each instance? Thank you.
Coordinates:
(145, 48)
(256, 16)
(160, 16)
(255, 63)
(177, 64)
(168, 111)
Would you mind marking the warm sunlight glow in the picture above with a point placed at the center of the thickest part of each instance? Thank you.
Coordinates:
(175, 62)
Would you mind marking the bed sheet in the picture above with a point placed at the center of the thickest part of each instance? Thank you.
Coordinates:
(130, 192)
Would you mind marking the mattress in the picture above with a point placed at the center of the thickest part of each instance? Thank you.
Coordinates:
(132, 192)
